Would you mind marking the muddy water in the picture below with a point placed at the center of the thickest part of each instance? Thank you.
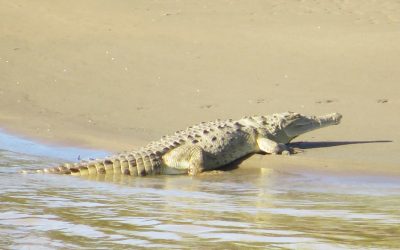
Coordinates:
(243, 208)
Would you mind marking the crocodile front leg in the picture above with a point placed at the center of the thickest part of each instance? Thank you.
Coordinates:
(271, 147)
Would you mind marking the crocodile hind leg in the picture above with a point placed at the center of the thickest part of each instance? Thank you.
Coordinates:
(186, 157)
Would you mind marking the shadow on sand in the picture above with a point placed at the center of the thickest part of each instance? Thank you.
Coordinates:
(304, 145)
(325, 144)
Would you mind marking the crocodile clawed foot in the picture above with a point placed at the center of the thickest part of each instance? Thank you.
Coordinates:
(296, 151)
(291, 151)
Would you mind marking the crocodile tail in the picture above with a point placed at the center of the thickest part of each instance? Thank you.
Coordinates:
(66, 168)
(135, 164)
(141, 163)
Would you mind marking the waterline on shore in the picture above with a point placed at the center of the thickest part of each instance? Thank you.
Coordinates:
(25, 146)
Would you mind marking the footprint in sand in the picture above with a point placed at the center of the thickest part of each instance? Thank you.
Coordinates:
(382, 100)
(260, 100)
(207, 106)
(327, 101)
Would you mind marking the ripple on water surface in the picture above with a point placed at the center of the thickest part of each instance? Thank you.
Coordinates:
(239, 209)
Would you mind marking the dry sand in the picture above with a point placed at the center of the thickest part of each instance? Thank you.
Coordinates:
(116, 74)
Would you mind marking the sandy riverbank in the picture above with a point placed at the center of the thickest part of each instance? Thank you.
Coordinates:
(115, 75)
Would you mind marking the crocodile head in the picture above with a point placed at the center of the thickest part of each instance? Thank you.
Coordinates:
(294, 124)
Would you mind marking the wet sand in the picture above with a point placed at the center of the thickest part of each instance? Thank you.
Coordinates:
(116, 75)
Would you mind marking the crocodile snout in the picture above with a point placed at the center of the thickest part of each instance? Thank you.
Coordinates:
(337, 117)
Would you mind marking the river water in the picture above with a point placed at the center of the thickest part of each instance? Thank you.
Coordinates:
(245, 208)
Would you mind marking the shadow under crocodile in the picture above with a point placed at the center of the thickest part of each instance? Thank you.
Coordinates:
(325, 144)
(305, 145)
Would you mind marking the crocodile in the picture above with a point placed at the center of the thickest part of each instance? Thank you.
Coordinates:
(205, 146)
